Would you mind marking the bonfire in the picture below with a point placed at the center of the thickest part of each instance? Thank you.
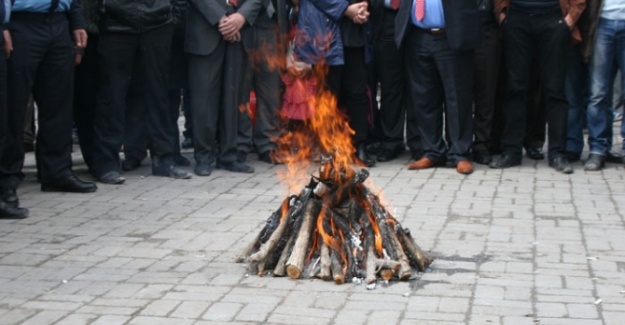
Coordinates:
(336, 228)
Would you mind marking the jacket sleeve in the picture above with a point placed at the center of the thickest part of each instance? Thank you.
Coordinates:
(250, 9)
(501, 6)
(332, 8)
(209, 9)
(75, 17)
(576, 7)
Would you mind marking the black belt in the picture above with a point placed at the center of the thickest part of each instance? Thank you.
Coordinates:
(432, 31)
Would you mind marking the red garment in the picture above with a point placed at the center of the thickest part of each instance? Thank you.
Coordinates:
(298, 94)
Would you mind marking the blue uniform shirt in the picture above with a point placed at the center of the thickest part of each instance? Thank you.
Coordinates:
(41, 6)
(434, 16)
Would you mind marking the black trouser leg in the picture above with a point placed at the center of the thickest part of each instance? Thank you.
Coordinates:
(487, 63)
(85, 86)
(390, 73)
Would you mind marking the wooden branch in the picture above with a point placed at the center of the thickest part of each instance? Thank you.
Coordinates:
(413, 251)
(325, 274)
(247, 250)
(295, 263)
(280, 268)
(371, 259)
(337, 268)
(404, 272)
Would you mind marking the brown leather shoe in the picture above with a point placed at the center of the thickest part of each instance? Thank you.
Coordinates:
(422, 163)
(464, 167)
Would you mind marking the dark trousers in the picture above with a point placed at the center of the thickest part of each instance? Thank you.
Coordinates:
(266, 83)
(85, 87)
(349, 83)
(487, 66)
(41, 64)
(136, 138)
(437, 73)
(215, 84)
(118, 54)
(546, 37)
(536, 119)
(390, 72)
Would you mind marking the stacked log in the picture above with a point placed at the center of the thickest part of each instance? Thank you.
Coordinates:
(335, 231)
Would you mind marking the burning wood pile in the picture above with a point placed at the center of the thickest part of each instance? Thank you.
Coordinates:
(336, 228)
(335, 231)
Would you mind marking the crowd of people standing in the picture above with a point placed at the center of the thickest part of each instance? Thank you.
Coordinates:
(458, 82)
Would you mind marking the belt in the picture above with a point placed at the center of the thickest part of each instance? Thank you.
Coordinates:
(434, 31)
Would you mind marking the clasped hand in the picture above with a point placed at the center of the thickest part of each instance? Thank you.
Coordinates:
(230, 27)
(358, 12)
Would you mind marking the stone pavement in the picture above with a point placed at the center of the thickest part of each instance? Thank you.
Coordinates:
(519, 246)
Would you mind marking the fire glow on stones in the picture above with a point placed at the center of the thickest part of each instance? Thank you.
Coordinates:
(335, 228)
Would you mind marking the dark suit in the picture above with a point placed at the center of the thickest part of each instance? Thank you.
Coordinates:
(440, 67)
(216, 72)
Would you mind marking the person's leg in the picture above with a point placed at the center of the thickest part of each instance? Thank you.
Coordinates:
(576, 90)
(426, 94)
(599, 113)
(354, 96)
(487, 63)
(117, 54)
(518, 51)
(391, 74)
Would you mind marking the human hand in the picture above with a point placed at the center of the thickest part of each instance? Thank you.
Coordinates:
(231, 25)
(236, 37)
(80, 38)
(355, 9)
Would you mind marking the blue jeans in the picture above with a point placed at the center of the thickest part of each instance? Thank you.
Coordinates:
(609, 48)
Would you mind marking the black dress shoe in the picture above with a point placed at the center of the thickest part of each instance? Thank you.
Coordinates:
(10, 212)
(237, 167)
(482, 157)
(171, 171)
(561, 164)
(187, 143)
(69, 184)
(180, 160)
(130, 164)
(10, 197)
(595, 162)
(111, 177)
(535, 153)
(505, 161)
(203, 169)
(363, 155)
(268, 157)
(388, 154)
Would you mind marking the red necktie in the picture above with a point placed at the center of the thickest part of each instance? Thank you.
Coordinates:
(394, 4)
(419, 10)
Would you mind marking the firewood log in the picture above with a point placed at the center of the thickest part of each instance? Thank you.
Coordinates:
(247, 250)
(325, 273)
(413, 251)
(271, 243)
(295, 263)
(280, 268)
(337, 269)
(404, 272)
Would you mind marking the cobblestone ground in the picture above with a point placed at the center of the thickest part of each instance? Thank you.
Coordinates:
(519, 246)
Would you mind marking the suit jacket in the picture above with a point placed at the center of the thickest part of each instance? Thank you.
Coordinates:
(376, 8)
(462, 21)
(203, 36)
(573, 8)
